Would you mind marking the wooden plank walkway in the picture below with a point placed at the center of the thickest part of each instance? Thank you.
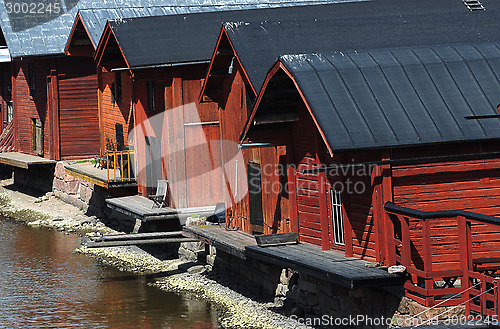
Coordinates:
(140, 207)
(22, 160)
(232, 242)
(329, 265)
(134, 239)
(97, 176)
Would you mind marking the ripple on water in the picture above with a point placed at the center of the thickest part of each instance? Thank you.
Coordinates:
(43, 284)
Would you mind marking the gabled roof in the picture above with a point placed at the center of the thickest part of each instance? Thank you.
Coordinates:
(180, 38)
(356, 26)
(47, 34)
(396, 97)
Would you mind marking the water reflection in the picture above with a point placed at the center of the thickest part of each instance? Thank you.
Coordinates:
(43, 284)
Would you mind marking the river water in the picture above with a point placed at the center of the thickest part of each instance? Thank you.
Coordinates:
(44, 285)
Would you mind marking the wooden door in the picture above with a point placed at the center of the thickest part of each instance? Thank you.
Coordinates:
(37, 136)
(53, 115)
(255, 197)
(153, 163)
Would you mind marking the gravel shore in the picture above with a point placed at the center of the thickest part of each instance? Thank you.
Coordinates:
(236, 310)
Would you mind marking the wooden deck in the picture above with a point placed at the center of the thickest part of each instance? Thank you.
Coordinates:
(97, 176)
(330, 266)
(139, 207)
(114, 240)
(232, 242)
(21, 160)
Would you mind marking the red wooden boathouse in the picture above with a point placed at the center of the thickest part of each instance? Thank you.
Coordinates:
(249, 49)
(176, 137)
(392, 156)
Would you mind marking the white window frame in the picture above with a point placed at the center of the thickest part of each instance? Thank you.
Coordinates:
(337, 217)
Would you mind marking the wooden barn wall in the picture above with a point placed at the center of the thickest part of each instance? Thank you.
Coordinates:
(305, 149)
(112, 113)
(472, 185)
(359, 200)
(202, 142)
(304, 140)
(188, 133)
(275, 203)
(146, 125)
(27, 107)
(78, 109)
(5, 91)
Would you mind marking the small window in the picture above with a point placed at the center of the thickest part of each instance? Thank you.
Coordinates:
(31, 79)
(37, 136)
(10, 111)
(151, 96)
(337, 219)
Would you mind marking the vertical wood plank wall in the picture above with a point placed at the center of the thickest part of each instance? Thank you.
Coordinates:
(78, 110)
(76, 101)
(113, 112)
(189, 133)
(275, 203)
(27, 107)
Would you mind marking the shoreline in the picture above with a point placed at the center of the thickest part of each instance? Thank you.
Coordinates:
(179, 276)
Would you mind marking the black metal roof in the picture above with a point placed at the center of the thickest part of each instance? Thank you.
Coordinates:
(362, 26)
(187, 38)
(401, 96)
(47, 33)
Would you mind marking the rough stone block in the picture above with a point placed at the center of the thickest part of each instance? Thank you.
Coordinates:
(268, 286)
(210, 260)
(307, 285)
(71, 187)
(58, 184)
(285, 276)
(71, 199)
(59, 170)
(69, 178)
(281, 290)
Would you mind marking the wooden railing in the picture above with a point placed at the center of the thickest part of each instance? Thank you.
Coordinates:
(7, 138)
(436, 249)
(483, 295)
(120, 166)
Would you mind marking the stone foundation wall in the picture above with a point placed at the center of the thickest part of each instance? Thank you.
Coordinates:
(36, 180)
(311, 299)
(80, 193)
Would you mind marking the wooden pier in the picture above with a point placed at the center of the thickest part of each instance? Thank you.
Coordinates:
(21, 160)
(232, 242)
(90, 173)
(115, 240)
(329, 265)
(144, 209)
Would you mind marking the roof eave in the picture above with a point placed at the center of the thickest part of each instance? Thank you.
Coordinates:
(281, 66)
